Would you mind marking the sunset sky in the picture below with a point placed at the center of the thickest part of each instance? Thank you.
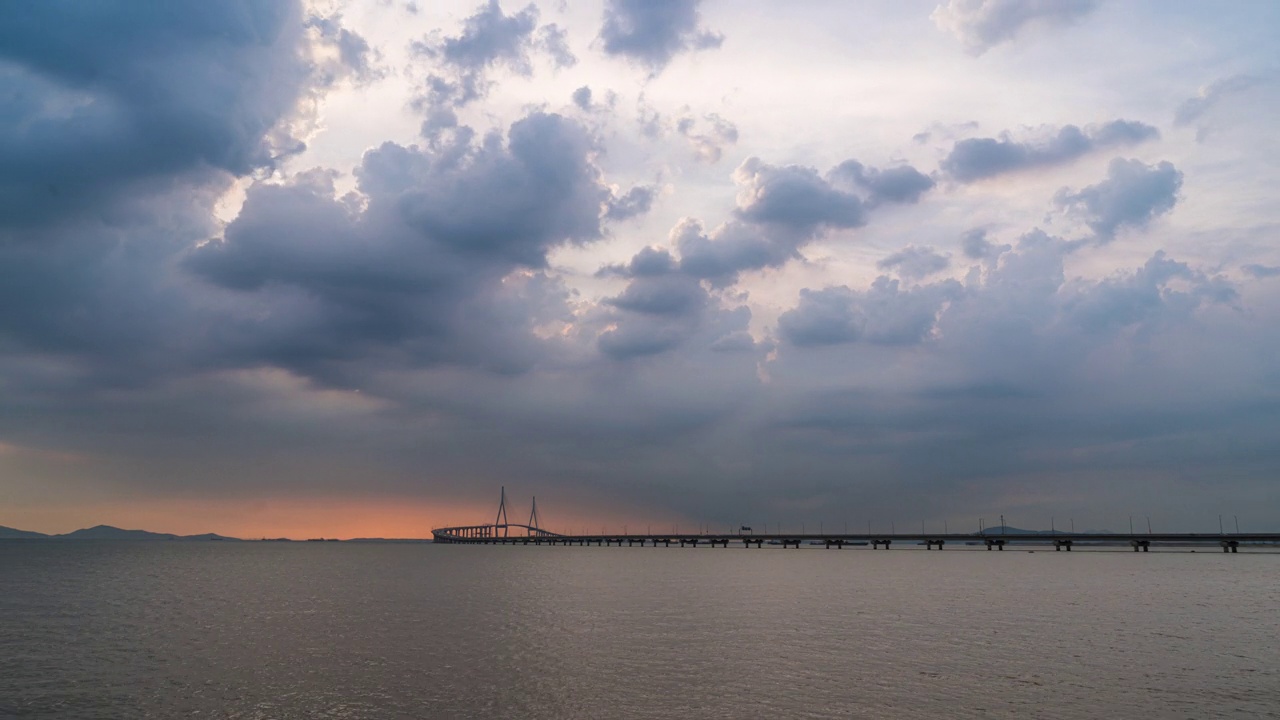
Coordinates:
(346, 268)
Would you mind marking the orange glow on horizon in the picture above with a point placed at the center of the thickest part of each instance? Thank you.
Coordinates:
(301, 518)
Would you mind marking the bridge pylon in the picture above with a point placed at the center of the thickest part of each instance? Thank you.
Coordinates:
(533, 518)
(501, 520)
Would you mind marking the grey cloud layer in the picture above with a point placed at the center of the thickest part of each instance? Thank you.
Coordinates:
(174, 352)
(185, 95)
(981, 158)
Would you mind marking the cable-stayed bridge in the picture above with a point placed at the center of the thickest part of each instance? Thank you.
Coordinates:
(503, 532)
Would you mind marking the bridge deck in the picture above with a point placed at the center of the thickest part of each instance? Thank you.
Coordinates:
(501, 535)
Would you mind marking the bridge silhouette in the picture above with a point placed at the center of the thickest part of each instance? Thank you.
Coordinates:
(500, 532)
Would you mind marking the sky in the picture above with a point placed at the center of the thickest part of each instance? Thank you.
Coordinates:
(346, 268)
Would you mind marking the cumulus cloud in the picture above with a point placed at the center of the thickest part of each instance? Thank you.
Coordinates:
(982, 24)
(554, 41)
(981, 158)
(415, 256)
(187, 99)
(355, 57)
(662, 310)
(1133, 194)
(650, 261)
(794, 197)
(782, 208)
(902, 184)
(976, 246)
(914, 262)
(708, 146)
(652, 32)
(884, 314)
(661, 295)
(632, 203)
(490, 38)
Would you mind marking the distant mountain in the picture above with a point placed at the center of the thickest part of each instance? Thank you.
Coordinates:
(106, 532)
(208, 536)
(8, 533)
(389, 540)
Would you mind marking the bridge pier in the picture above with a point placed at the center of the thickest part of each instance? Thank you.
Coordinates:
(1230, 546)
(1143, 545)
(1059, 544)
(875, 544)
(928, 544)
(997, 544)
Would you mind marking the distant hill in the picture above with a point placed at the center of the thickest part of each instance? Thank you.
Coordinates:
(8, 533)
(106, 532)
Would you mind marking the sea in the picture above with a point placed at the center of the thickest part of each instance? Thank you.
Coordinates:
(101, 629)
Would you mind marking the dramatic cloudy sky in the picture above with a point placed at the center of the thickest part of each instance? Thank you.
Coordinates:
(345, 268)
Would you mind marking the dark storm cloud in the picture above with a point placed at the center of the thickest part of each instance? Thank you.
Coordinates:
(652, 32)
(983, 24)
(982, 158)
(417, 266)
(104, 98)
(1132, 196)
(913, 262)
(132, 121)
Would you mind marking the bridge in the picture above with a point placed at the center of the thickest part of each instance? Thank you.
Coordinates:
(500, 532)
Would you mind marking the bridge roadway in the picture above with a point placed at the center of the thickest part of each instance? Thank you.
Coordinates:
(500, 535)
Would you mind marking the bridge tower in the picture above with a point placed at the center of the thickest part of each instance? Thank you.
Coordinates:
(534, 527)
(501, 520)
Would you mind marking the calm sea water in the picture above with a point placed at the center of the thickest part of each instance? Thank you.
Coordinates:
(328, 630)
